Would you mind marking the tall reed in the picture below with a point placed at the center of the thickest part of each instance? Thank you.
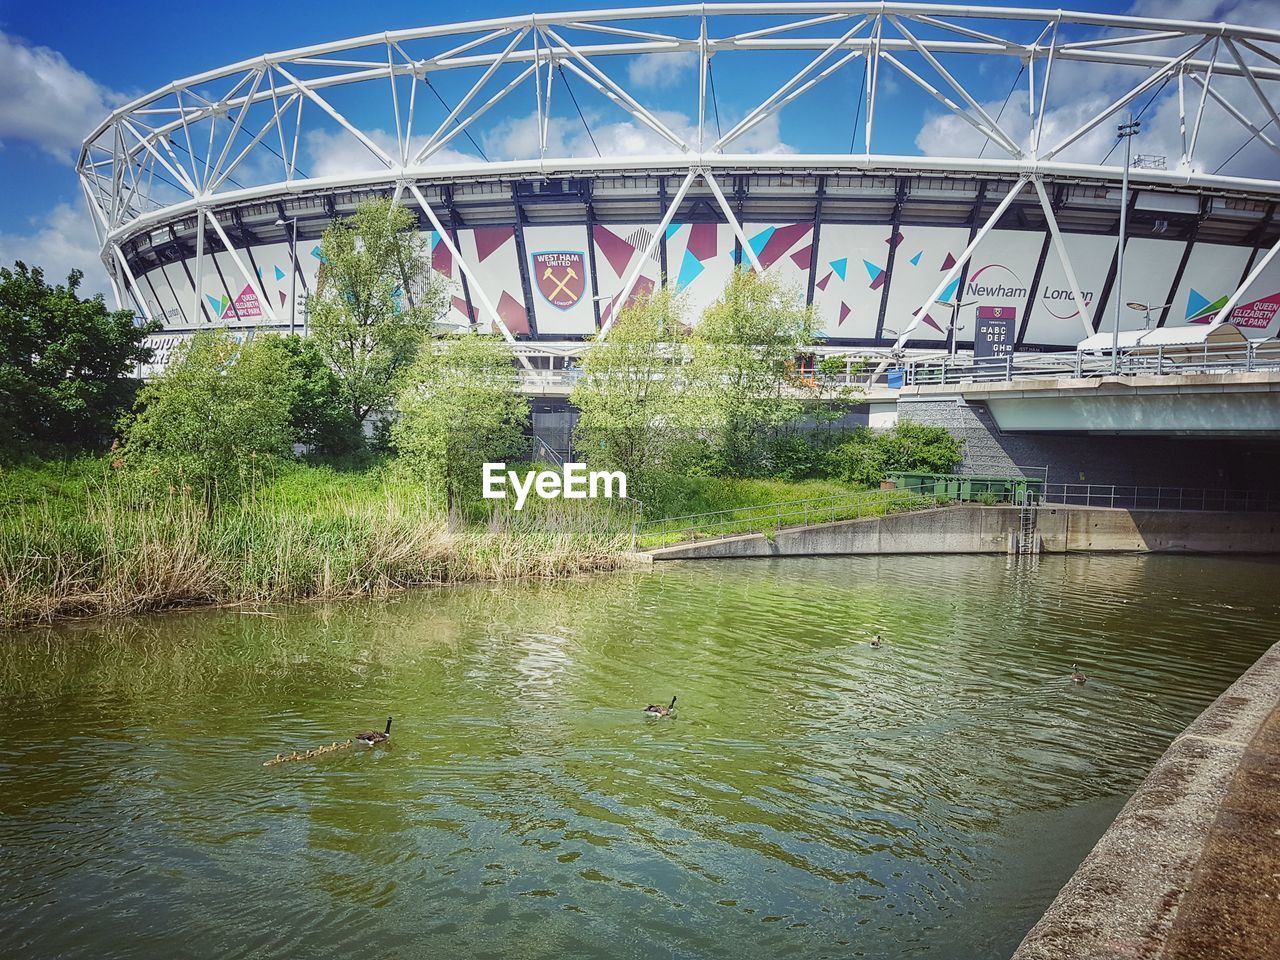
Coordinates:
(127, 550)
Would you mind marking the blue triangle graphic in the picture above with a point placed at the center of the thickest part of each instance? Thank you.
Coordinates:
(1196, 302)
(760, 239)
(215, 303)
(279, 274)
(915, 261)
(315, 252)
(690, 268)
(950, 291)
(840, 266)
(673, 229)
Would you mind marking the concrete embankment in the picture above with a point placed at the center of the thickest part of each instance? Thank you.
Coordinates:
(971, 528)
(1190, 869)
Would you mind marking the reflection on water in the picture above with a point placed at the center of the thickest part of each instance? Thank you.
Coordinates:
(813, 797)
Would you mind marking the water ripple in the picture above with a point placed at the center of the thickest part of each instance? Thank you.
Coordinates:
(814, 796)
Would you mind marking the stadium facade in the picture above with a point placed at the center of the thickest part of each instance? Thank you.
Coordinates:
(198, 188)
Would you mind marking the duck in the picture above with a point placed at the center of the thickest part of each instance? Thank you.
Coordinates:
(876, 641)
(1076, 675)
(658, 710)
(371, 737)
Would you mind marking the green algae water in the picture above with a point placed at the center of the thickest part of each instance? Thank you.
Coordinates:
(812, 797)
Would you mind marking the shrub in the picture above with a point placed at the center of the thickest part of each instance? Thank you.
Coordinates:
(215, 419)
(868, 456)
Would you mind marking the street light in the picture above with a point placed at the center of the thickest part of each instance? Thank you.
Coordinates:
(1126, 131)
(954, 329)
(1147, 309)
(292, 223)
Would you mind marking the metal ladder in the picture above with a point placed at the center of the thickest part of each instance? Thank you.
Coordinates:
(1027, 523)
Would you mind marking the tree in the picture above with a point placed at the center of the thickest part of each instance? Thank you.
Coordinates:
(64, 362)
(627, 397)
(867, 457)
(215, 417)
(319, 416)
(742, 378)
(459, 409)
(374, 303)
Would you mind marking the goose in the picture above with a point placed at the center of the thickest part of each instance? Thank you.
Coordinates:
(1076, 675)
(370, 737)
(876, 641)
(658, 710)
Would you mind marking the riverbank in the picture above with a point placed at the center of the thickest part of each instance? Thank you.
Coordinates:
(974, 528)
(1191, 866)
(79, 538)
(84, 543)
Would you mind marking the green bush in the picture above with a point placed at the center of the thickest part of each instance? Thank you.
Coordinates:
(868, 456)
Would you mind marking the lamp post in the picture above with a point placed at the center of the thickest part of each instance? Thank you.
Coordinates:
(955, 316)
(1146, 310)
(292, 223)
(1126, 131)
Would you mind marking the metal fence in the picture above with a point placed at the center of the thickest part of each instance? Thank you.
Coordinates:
(1158, 360)
(798, 513)
(1159, 498)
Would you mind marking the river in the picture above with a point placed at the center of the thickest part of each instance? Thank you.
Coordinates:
(812, 796)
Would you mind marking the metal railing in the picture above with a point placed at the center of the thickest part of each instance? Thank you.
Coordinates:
(767, 517)
(1157, 360)
(774, 516)
(1159, 498)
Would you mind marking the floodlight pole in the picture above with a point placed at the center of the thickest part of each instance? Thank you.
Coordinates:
(1126, 132)
(955, 319)
(293, 269)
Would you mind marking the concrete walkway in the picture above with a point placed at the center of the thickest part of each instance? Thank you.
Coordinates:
(1190, 870)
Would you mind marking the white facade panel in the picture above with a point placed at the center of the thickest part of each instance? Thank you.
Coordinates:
(1055, 318)
(922, 259)
(850, 280)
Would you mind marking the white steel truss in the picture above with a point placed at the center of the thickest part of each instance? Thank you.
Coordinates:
(233, 134)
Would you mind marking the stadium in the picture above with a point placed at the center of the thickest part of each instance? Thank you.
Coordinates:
(209, 195)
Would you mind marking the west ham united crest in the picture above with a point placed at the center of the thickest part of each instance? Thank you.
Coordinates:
(561, 277)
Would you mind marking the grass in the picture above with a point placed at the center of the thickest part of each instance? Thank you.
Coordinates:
(681, 496)
(80, 539)
(768, 516)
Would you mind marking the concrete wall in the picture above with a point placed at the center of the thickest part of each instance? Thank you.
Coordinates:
(979, 529)
(1168, 461)
(1188, 868)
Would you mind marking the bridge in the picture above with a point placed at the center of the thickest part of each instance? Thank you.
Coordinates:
(1212, 388)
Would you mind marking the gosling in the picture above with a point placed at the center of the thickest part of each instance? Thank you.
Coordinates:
(876, 641)
(1076, 675)
(658, 710)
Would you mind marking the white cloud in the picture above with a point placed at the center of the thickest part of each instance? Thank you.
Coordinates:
(1252, 13)
(516, 138)
(336, 153)
(660, 71)
(46, 101)
(58, 243)
(1079, 91)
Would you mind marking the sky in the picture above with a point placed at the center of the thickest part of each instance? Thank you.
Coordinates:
(65, 65)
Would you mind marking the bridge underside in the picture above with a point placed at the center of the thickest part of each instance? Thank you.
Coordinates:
(1216, 405)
